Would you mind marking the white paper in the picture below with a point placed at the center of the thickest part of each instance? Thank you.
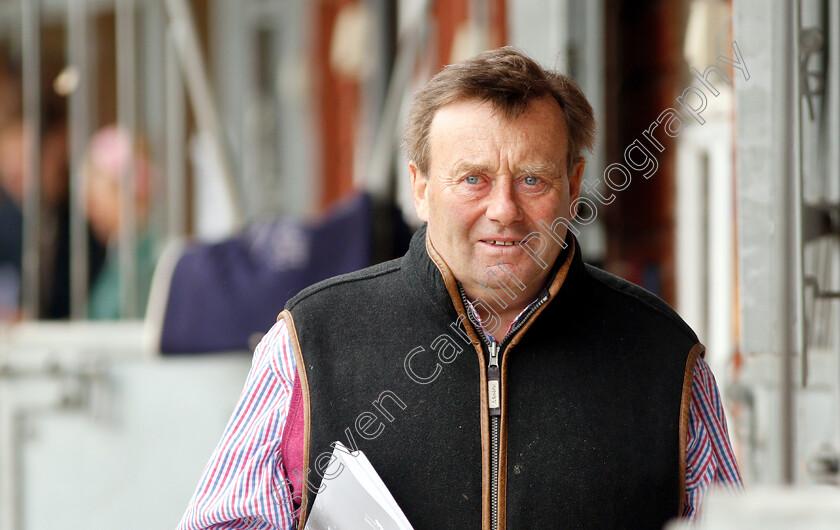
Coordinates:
(354, 499)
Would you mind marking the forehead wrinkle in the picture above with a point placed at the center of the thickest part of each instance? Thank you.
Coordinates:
(509, 145)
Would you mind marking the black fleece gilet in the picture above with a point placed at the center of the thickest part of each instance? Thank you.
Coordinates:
(595, 392)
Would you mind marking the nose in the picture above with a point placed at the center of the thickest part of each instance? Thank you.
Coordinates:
(502, 205)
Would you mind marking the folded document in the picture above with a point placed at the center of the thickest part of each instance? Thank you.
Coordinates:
(353, 497)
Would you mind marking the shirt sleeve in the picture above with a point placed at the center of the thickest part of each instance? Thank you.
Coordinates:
(709, 455)
(243, 484)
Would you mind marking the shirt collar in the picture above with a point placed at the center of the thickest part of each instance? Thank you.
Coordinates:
(477, 319)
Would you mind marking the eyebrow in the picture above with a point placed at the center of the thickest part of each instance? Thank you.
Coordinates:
(540, 168)
(464, 167)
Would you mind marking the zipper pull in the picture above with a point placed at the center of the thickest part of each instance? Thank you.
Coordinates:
(494, 386)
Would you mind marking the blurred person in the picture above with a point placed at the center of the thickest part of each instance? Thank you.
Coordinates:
(54, 228)
(491, 377)
(110, 152)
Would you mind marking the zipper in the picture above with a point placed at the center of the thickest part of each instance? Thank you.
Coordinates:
(494, 392)
(494, 403)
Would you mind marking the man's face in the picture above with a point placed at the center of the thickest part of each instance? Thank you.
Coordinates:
(490, 181)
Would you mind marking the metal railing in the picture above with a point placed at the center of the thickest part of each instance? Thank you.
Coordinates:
(151, 101)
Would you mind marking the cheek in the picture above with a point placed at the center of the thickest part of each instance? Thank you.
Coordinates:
(451, 215)
(458, 218)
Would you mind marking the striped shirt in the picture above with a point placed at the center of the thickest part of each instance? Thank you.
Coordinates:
(244, 484)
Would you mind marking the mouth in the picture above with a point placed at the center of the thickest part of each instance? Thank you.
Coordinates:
(502, 242)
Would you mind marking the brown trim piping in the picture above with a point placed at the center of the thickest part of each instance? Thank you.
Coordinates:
(552, 290)
(455, 295)
(697, 350)
(307, 422)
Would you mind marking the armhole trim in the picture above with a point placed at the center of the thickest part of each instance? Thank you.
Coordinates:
(304, 389)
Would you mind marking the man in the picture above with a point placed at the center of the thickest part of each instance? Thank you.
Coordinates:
(491, 377)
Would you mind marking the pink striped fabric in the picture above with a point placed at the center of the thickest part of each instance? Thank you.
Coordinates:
(245, 484)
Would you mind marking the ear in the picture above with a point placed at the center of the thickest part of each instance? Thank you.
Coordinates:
(419, 185)
(575, 179)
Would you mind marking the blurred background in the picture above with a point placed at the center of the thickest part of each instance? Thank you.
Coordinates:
(172, 171)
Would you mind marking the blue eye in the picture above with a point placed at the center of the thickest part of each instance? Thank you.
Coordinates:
(472, 179)
(531, 181)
